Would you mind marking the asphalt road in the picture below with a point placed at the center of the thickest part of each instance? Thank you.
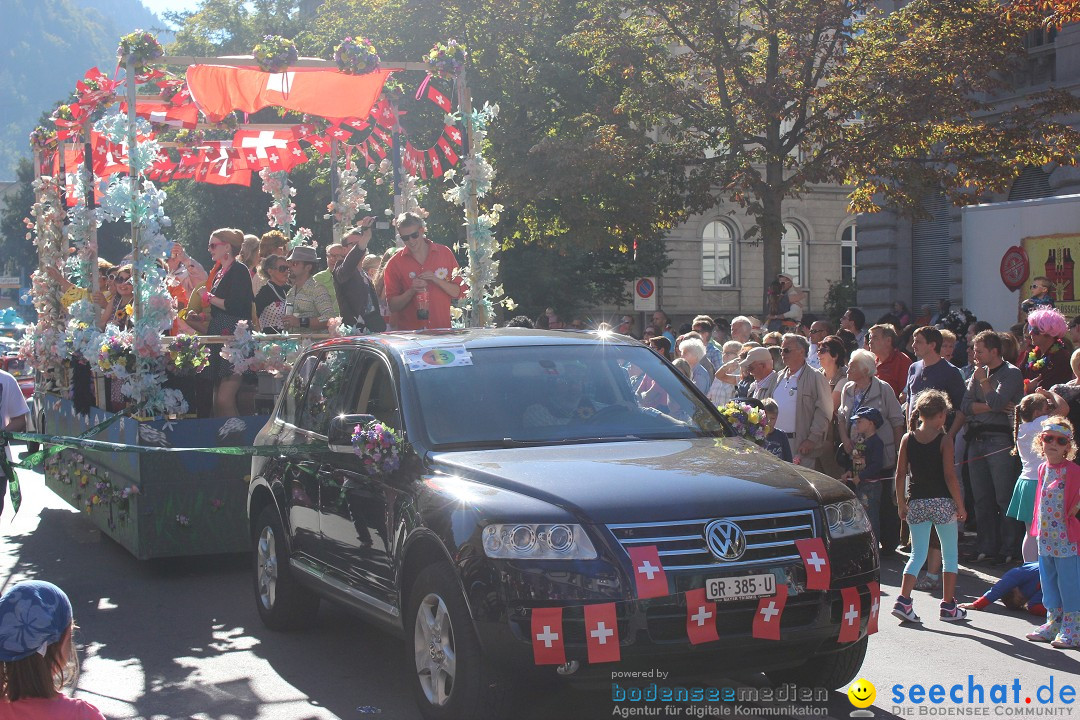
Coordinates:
(181, 639)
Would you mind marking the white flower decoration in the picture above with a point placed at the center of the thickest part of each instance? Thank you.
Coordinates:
(442, 273)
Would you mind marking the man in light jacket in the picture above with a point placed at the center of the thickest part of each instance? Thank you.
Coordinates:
(804, 400)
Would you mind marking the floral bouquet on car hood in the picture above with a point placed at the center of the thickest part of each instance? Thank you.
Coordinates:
(748, 421)
(378, 447)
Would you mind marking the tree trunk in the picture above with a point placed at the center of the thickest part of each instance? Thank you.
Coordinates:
(771, 221)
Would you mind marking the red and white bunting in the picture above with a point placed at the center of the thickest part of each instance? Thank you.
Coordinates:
(770, 610)
(437, 97)
(816, 562)
(164, 112)
(547, 636)
(602, 633)
(850, 613)
(700, 618)
(448, 151)
(436, 164)
(648, 572)
(453, 133)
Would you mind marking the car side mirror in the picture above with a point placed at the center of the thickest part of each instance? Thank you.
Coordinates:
(339, 437)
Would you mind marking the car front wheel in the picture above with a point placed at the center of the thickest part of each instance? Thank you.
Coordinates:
(452, 678)
(283, 603)
(833, 670)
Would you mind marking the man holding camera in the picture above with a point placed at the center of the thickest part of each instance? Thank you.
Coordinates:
(420, 280)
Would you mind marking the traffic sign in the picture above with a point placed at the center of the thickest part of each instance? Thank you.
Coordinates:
(645, 294)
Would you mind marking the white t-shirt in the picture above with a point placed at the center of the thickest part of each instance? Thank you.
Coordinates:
(786, 401)
(12, 402)
(1025, 442)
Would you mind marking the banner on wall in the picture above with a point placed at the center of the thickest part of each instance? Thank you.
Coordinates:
(1054, 257)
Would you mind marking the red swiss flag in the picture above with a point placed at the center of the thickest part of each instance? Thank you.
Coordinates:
(816, 561)
(769, 612)
(437, 97)
(547, 636)
(648, 572)
(448, 151)
(700, 618)
(875, 607)
(602, 633)
(849, 614)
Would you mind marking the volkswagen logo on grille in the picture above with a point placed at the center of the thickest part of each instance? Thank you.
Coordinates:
(725, 539)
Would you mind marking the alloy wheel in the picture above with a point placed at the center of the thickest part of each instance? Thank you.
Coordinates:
(434, 651)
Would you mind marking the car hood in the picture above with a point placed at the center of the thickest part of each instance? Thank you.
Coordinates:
(648, 480)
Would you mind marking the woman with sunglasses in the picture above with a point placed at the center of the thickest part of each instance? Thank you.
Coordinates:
(230, 299)
(270, 302)
(1047, 362)
(1056, 522)
(119, 308)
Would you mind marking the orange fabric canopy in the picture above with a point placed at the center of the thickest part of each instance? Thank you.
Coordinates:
(219, 89)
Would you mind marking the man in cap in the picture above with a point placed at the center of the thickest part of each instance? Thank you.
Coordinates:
(868, 463)
(308, 303)
(759, 363)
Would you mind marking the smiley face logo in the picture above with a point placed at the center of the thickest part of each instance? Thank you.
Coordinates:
(862, 693)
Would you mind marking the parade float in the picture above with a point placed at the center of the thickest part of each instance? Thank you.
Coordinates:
(143, 390)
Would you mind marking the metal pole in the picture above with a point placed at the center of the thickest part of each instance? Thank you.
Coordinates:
(91, 257)
(335, 183)
(133, 182)
(480, 318)
(395, 159)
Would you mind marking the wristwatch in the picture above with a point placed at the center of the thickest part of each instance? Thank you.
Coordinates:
(305, 322)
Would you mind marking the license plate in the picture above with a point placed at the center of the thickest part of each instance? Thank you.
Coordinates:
(741, 587)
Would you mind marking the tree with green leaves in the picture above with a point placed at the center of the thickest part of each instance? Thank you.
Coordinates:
(761, 99)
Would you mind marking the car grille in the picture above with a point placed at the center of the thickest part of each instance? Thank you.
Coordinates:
(682, 546)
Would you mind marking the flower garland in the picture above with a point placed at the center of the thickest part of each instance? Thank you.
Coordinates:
(275, 54)
(81, 220)
(356, 57)
(483, 269)
(378, 447)
(43, 140)
(45, 342)
(157, 308)
(282, 212)
(351, 199)
(1037, 362)
(748, 421)
(141, 48)
(260, 352)
(447, 59)
(187, 356)
(336, 328)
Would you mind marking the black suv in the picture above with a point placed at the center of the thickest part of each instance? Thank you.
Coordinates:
(536, 462)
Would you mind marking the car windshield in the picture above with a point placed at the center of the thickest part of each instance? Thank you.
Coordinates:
(559, 394)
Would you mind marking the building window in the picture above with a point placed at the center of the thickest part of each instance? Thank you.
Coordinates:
(718, 255)
(847, 254)
(791, 252)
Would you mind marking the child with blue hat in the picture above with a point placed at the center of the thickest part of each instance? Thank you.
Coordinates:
(37, 655)
(867, 463)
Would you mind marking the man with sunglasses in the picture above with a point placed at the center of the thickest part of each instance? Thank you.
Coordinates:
(420, 279)
(804, 400)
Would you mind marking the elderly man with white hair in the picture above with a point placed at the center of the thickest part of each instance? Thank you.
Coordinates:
(804, 401)
(741, 327)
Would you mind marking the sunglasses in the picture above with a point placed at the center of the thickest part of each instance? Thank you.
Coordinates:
(282, 268)
(125, 279)
(412, 236)
(1058, 439)
(1035, 331)
(1036, 286)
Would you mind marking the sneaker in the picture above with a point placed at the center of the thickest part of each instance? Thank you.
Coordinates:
(928, 584)
(951, 612)
(905, 612)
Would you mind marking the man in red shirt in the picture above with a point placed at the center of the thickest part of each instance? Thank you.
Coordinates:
(892, 365)
(419, 279)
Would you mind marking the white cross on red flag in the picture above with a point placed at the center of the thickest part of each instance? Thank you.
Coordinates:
(547, 636)
(700, 618)
(875, 607)
(648, 572)
(769, 612)
(435, 96)
(849, 614)
(816, 562)
(602, 633)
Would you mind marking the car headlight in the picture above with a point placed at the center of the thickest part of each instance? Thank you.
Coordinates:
(531, 541)
(846, 518)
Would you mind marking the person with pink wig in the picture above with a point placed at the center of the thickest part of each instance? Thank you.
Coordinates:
(1047, 361)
